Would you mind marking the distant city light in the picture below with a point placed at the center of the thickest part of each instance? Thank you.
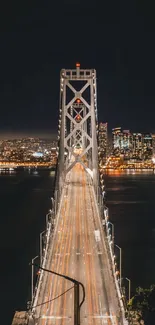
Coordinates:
(153, 160)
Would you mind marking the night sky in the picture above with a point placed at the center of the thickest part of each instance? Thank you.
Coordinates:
(38, 38)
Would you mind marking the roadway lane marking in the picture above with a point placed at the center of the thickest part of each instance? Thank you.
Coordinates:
(99, 253)
(78, 253)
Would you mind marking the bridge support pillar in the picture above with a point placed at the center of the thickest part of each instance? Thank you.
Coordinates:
(78, 123)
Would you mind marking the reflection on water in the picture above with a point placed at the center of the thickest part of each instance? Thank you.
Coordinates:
(131, 201)
(125, 202)
(119, 172)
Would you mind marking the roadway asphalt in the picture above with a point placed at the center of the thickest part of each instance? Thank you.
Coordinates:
(75, 252)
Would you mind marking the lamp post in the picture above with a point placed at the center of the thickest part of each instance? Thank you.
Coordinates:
(106, 213)
(52, 203)
(47, 217)
(129, 283)
(41, 248)
(112, 234)
(77, 284)
(32, 276)
(120, 263)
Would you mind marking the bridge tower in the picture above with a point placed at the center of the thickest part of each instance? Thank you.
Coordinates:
(77, 129)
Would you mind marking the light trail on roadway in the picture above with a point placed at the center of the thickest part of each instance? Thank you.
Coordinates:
(75, 252)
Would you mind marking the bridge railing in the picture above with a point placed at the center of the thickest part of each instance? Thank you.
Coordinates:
(50, 231)
(103, 213)
(111, 255)
(58, 185)
(44, 259)
(116, 279)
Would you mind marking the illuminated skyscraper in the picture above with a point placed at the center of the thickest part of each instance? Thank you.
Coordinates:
(147, 146)
(126, 143)
(122, 143)
(116, 140)
(102, 140)
(137, 145)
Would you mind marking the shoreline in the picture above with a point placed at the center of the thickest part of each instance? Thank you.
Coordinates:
(127, 171)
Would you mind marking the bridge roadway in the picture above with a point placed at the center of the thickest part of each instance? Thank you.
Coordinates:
(75, 252)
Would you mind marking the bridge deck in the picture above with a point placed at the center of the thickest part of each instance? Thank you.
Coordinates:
(76, 253)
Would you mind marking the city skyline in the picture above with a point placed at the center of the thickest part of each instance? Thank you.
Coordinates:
(53, 134)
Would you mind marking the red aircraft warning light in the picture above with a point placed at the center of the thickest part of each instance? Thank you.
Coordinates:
(78, 118)
(77, 65)
(78, 100)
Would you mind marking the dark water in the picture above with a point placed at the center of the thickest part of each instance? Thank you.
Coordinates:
(131, 202)
(24, 201)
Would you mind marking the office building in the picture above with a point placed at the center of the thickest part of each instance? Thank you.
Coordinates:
(116, 135)
(102, 140)
(147, 146)
(137, 146)
(126, 144)
(122, 142)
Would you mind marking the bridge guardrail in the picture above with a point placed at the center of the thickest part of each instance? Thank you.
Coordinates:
(119, 293)
(57, 199)
(39, 282)
(45, 255)
(101, 210)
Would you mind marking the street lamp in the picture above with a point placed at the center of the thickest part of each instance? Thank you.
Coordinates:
(77, 284)
(47, 217)
(120, 263)
(32, 276)
(112, 233)
(53, 201)
(106, 213)
(129, 282)
(41, 248)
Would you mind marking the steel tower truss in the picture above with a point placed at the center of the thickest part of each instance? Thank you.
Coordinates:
(77, 131)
